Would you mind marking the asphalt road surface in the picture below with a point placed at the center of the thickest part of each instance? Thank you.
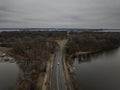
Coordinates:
(57, 76)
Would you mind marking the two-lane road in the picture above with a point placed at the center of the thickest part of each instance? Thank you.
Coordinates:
(57, 81)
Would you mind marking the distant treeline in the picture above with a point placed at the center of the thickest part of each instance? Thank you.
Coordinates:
(92, 41)
(7, 38)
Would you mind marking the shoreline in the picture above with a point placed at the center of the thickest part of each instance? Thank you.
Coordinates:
(70, 68)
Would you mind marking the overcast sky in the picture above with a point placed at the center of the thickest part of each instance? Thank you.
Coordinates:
(60, 13)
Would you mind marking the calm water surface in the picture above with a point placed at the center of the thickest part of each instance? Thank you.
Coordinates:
(98, 71)
(9, 75)
(12, 73)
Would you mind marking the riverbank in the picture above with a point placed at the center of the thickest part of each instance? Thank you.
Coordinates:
(68, 81)
(91, 41)
(88, 43)
(98, 70)
(35, 80)
(72, 74)
(9, 52)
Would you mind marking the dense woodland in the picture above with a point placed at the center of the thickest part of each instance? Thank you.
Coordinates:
(7, 38)
(33, 47)
(92, 41)
(36, 47)
(89, 42)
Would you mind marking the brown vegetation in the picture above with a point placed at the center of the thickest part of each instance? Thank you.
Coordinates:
(88, 42)
(92, 42)
(33, 47)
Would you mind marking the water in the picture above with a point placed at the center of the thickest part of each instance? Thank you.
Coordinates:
(98, 71)
(113, 30)
(9, 75)
(12, 73)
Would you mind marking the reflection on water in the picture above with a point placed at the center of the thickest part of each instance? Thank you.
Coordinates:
(12, 73)
(9, 75)
(98, 71)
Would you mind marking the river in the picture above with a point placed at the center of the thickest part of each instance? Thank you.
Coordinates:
(98, 71)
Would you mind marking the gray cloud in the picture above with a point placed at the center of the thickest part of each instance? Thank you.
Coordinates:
(60, 13)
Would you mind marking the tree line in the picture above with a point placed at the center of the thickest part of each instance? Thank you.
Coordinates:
(92, 41)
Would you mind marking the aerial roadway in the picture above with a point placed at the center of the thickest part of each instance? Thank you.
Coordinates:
(57, 81)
